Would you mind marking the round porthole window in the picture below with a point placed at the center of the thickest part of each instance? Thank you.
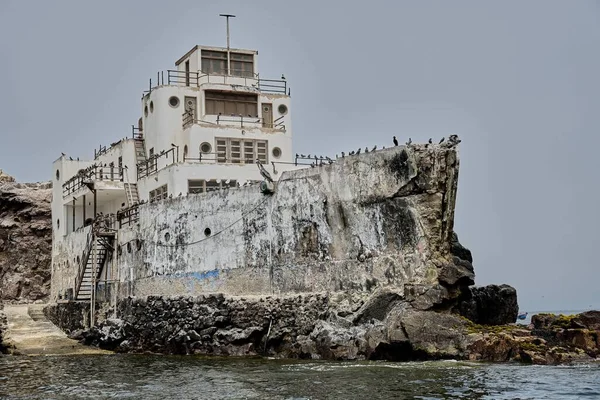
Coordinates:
(276, 152)
(167, 237)
(151, 106)
(282, 109)
(205, 147)
(57, 175)
(174, 101)
(207, 232)
(146, 111)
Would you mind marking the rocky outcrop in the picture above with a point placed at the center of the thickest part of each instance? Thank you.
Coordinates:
(25, 240)
(338, 327)
(489, 305)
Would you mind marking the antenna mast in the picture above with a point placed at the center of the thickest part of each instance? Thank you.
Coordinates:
(227, 16)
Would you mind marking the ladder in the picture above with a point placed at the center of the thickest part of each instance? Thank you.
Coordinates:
(129, 189)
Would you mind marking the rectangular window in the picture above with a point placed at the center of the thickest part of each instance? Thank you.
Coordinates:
(238, 151)
(214, 62)
(242, 65)
(227, 103)
(159, 193)
(196, 186)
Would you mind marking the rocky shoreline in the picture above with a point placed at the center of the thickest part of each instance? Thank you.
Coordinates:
(336, 327)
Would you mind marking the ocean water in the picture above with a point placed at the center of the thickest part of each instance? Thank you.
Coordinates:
(188, 377)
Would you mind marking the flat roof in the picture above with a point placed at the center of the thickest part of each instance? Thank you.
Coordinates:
(213, 48)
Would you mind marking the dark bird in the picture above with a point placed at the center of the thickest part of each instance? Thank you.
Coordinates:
(395, 141)
(358, 152)
(442, 141)
(374, 148)
(180, 194)
(343, 154)
(282, 77)
(296, 155)
(63, 154)
(409, 142)
(302, 155)
(351, 153)
(316, 158)
(312, 165)
(71, 158)
(366, 149)
(430, 141)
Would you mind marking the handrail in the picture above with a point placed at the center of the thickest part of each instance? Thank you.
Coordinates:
(183, 78)
(128, 215)
(83, 261)
(150, 166)
(95, 172)
(233, 120)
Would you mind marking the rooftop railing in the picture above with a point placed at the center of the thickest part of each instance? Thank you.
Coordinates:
(150, 165)
(235, 120)
(95, 172)
(195, 79)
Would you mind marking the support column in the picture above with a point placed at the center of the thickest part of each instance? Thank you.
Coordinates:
(73, 215)
(84, 204)
(95, 206)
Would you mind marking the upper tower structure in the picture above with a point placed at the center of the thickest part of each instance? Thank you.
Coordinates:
(203, 126)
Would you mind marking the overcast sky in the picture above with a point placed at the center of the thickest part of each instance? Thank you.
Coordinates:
(517, 81)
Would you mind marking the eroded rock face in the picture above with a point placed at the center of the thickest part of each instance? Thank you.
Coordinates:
(3, 328)
(25, 240)
(490, 305)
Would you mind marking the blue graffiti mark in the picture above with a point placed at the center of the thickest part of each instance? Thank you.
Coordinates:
(203, 275)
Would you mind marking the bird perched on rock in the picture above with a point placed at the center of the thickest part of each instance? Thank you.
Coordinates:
(395, 141)
(374, 148)
(453, 140)
(351, 153)
(430, 141)
(343, 154)
(442, 141)
(366, 149)
(358, 152)
(409, 142)
(312, 164)
(171, 196)
(180, 194)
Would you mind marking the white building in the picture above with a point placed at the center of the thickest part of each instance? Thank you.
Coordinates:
(203, 126)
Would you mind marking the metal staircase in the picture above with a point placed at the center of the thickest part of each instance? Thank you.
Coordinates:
(98, 247)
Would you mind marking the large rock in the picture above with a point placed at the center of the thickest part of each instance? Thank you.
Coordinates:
(490, 305)
(25, 240)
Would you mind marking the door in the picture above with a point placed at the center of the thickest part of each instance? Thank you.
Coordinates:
(267, 114)
(190, 108)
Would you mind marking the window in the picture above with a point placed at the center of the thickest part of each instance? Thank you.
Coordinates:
(174, 101)
(185, 152)
(205, 147)
(227, 103)
(214, 62)
(242, 65)
(202, 186)
(159, 193)
(237, 151)
(276, 152)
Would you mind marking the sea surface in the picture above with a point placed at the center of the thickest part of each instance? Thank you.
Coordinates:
(123, 376)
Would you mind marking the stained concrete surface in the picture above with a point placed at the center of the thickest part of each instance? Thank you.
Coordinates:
(30, 333)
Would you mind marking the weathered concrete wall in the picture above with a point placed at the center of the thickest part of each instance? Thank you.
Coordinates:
(379, 219)
(66, 256)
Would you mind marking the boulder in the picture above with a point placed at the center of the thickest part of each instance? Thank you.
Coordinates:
(490, 305)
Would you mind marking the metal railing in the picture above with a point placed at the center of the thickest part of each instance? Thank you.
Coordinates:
(234, 120)
(150, 165)
(129, 215)
(195, 79)
(136, 132)
(83, 261)
(95, 172)
(273, 86)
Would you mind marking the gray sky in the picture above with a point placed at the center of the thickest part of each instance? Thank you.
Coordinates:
(517, 81)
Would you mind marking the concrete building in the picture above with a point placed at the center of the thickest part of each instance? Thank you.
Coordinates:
(203, 127)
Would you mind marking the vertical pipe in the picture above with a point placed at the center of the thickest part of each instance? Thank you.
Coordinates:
(83, 210)
(73, 215)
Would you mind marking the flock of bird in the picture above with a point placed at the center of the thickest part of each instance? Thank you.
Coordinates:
(453, 140)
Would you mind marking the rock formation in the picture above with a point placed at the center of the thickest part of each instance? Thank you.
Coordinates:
(25, 240)
(3, 326)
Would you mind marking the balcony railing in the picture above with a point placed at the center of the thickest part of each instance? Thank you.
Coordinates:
(235, 120)
(195, 79)
(95, 172)
(150, 165)
(128, 216)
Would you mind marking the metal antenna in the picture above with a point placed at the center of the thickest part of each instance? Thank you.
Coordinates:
(227, 16)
